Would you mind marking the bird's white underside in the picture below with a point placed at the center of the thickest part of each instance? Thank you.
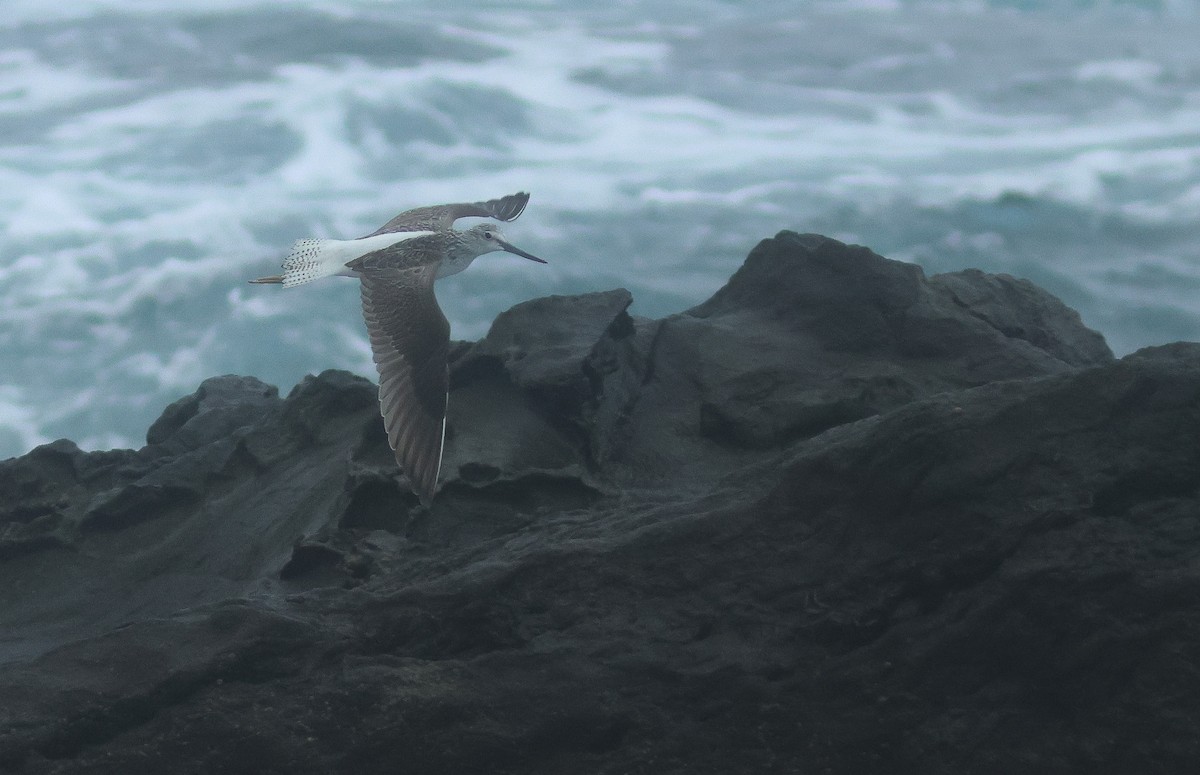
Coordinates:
(312, 259)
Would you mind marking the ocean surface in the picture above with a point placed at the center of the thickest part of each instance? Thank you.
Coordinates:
(155, 155)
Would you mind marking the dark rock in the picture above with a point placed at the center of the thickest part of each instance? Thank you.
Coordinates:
(543, 343)
(1018, 309)
(839, 518)
(526, 391)
(810, 334)
(219, 407)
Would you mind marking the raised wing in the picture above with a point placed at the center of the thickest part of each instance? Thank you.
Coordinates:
(410, 339)
(442, 217)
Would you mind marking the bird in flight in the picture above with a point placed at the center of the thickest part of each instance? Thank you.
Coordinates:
(397, 265)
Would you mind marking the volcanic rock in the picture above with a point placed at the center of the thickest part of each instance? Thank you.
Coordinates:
(840, 517)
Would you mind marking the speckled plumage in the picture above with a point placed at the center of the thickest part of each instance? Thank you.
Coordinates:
(409, 335)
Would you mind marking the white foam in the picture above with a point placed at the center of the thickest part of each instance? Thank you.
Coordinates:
(884, 111)
(45, 211)
(181, 370)
(355, 348)
(1133, 72)
(257, 305)
(20, 417)
(28, 84)
(40, 12)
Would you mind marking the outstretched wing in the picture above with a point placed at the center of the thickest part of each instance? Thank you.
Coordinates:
(410, 339)
(442, 217)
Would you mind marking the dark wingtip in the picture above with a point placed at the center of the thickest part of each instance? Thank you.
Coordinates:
(421, 467)
(423, 485)
(508, 208)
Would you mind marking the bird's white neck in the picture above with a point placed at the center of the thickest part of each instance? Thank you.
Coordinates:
(454, 264)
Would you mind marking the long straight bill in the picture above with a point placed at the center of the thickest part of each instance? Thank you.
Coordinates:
(517, 251)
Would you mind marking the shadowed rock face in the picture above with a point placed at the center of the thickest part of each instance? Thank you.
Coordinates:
(839, 517)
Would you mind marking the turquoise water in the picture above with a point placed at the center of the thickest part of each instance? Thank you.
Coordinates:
(155, 155)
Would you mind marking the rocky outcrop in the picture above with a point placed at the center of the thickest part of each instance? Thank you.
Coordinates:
(838, 518)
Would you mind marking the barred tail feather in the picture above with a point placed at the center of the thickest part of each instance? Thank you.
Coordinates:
(311, 259)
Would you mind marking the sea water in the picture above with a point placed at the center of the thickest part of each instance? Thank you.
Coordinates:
(155, 155)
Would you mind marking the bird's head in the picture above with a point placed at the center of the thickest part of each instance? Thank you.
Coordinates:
(486, 238)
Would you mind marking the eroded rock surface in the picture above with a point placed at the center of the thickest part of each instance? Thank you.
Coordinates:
(838, 518)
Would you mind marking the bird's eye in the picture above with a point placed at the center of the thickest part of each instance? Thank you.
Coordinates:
(488, 235)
